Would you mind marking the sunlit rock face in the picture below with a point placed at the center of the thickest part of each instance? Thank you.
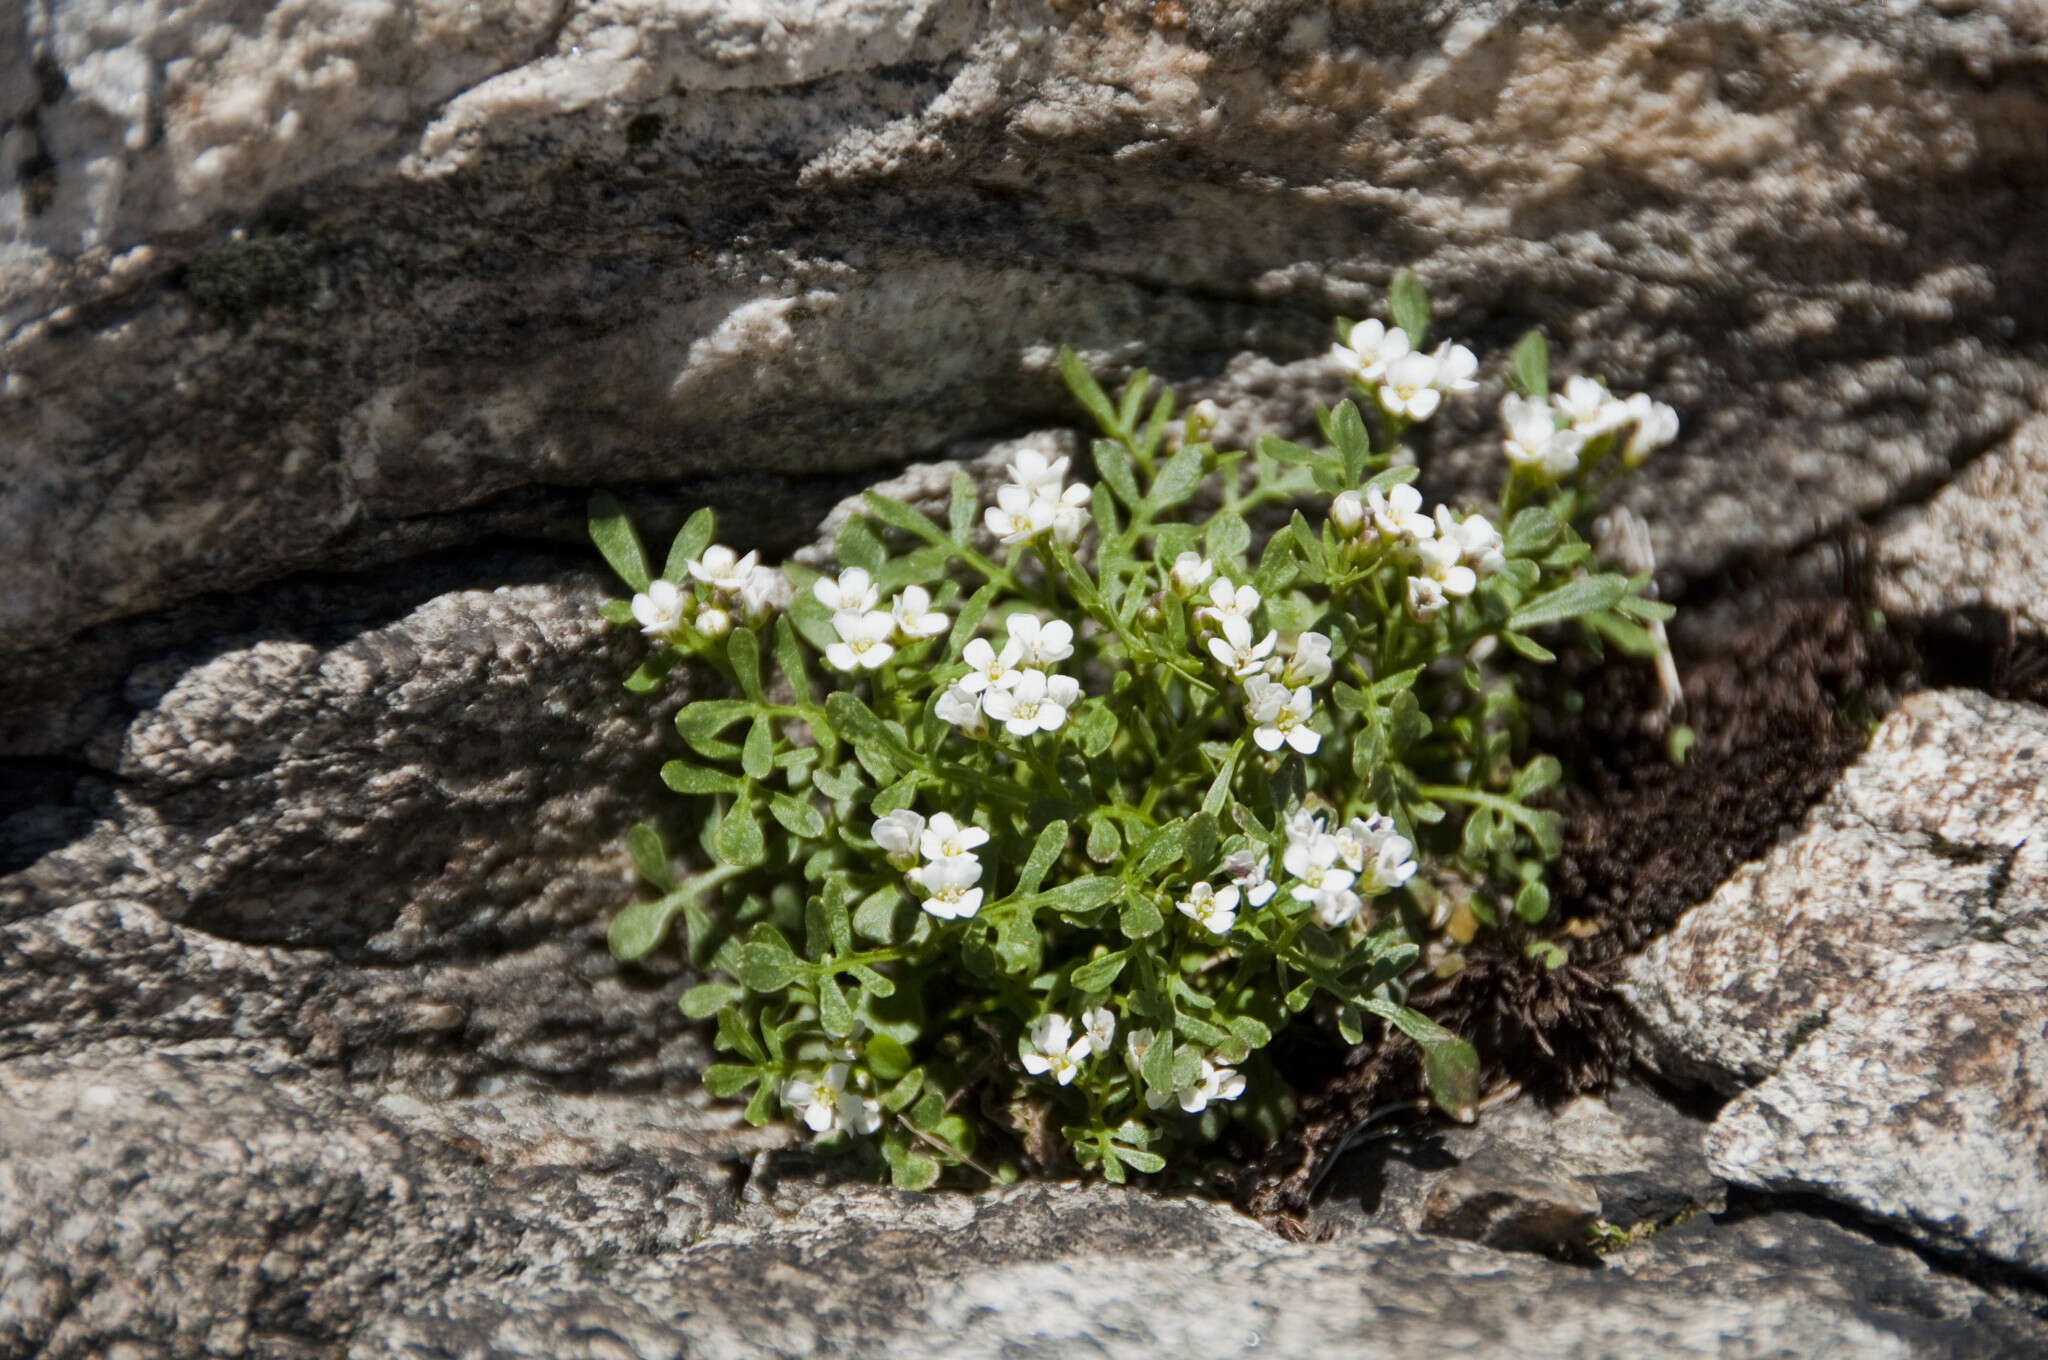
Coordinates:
(333, 283)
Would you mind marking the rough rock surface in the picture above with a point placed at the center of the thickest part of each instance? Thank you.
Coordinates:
(330, 284)
(215, 1198)
(1977, 544)
(1875, 990)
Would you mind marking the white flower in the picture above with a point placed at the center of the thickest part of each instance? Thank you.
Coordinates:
(897, 833)
(1656, 425)
(1409, 388)
(914, 616)
(1479, 543)
(1038, 474)
(1036, 703)
(1455, 366)
(1347, 512)
(713, 622)
(1440, 563)
(1310, 662)
(826, 1106)
(1534, 443)
(961, 708)
(1018, 515)
(1041, 644)
(853, 593)
(1398, 516)
(1392, 864)
(1070, 514)
(1227, 601)
(949, 888)
(722, 570)
(1099, 1025)
(1425, 598)
(1312, 862)
(943, 838)
(1215, 1082)
(1372, 345)
(1250, 872)
(1279, 714)
(1591, 408)
(864, 641)
(1136, 1042)
(659, 611)
(1190, 570)
(1337, 906)
(764, 591)
(1235, 651)
(992, 669)
(1047, 1050)
(1215, 912)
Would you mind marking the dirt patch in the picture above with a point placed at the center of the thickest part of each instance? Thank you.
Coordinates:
(1779, 704)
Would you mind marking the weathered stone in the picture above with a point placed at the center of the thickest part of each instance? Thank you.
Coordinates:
(1875, 990)
(1977, 544)
(330, 288)
(1511, 1203)
(216, 1199)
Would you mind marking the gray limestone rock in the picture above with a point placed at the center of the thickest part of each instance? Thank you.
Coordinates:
(332, 285)
(1874, 992)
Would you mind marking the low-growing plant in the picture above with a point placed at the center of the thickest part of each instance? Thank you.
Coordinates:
(1042, 819)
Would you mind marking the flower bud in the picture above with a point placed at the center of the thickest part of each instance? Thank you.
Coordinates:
(1347, 512)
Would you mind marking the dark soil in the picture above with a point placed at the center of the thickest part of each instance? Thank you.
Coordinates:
(1780, 702)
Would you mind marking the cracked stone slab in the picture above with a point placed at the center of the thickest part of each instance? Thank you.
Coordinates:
(218, 1199)
(1978, 543)
(1874, 992)
(332, 285)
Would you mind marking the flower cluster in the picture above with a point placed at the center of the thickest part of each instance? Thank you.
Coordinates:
(938, 859)
(1031, 825)
(1012, 685)
(725, 585)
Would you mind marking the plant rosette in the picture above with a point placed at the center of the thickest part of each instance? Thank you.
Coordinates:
(1031, 828)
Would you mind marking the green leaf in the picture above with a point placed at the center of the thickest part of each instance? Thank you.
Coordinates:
(1538, 775)
(726, 1080)
(647, 676)
(1201, 841)
(689, 545)
(790, 657)
(1530, 532)
(1018, 945)
(1139, 917)
(1252, 1032)
(686, 778)
(1177, 480)
(971, 615)
(766, 962)
(1524, 645)
(887, 1059)
(1581, 595)
(739, 841)
(1086, 390)
(1532, 365)
(914, 1171)
(1542, 827)
(897, 796)
(1081, 894)
(856, 722)
(1348, 434)
(743, 649)
(1406, 723)
(833, 1011)
(875, 917)
(1167, 844)
(736, 1035)
(1226, 537)
(1051, 840)
(1113, 466)
(1451, 1067)
(908, 518)
(797, 817)
(1409, 305)
(757, 756)
(1532, 903)
(858, 546)
(613, 534)
(960, 509)
(1103, 841)
(707, 999)
(708, 717)
(616, 611)
(1285, 451)
(638, 930)
(1097, 974)
(1138, 1159)
(1648, 610)
(1218, 796)
(1094, 727)
(650, 855)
